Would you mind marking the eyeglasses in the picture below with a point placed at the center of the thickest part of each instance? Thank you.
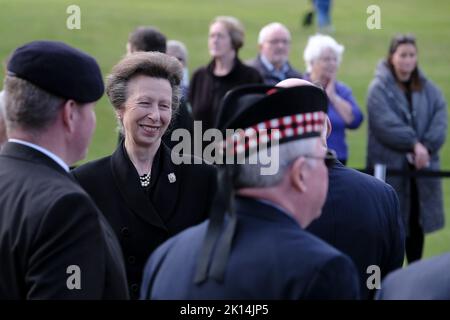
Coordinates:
(329, 159)
(328, 59)
(277, 41)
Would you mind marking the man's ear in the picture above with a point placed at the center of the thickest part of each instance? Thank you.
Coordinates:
(329, 127)
(297, 174)
(326, 131)
(259, 47)
(69, 115)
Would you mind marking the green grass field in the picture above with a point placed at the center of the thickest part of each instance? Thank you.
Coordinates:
(105, 25)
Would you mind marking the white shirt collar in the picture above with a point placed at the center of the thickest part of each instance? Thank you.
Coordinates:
(49, 154)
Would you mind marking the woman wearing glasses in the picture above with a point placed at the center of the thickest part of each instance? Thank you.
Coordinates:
(407, 128)
(225, 71)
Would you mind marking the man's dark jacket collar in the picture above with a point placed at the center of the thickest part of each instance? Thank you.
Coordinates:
(26, 153)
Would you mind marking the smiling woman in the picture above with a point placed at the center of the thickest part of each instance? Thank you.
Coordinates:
(146, 114)
(145, 197)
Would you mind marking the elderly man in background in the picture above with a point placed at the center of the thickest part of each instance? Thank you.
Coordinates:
(183, 117)
(178, 50)
(274, 43)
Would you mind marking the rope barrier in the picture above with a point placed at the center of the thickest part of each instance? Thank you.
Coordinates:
(410, 173)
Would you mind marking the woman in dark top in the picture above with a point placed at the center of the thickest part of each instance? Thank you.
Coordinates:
(145, 196)
(407, 127)
(210, 83)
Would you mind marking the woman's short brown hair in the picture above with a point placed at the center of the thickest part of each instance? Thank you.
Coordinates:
(152, 64)
(234, 28)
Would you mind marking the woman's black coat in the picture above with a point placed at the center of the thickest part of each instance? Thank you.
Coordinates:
(143, 219)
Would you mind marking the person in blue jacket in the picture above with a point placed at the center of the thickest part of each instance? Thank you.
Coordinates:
(254, 245)
(323, 56)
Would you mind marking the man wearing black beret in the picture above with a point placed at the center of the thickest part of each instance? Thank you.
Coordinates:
(254, 245)
(54, 242)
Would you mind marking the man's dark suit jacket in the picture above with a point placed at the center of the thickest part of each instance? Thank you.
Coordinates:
(361, 218)
(143, 219)
(48, 224)
(272, 257)
(268, 76)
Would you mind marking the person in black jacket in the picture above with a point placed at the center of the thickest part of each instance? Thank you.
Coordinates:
(210, 83)
(54, 242)
(140, 189)
(361, 218)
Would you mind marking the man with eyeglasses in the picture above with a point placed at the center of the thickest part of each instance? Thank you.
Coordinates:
(361, 218)
(274, 44)
(254, 245)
